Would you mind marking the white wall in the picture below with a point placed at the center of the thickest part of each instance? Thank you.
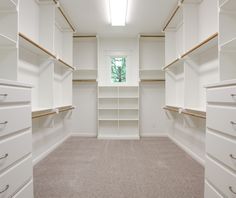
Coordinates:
(118, 47)
(153, 121)
(84, 118)
(189, 133)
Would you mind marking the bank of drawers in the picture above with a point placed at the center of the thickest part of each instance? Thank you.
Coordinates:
(220, 170)
(15, 141)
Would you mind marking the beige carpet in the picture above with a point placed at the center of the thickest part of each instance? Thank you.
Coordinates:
(91, 168)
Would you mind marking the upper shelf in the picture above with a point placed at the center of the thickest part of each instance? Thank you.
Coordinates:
(198, 49)
(8, 5)
(39, 50)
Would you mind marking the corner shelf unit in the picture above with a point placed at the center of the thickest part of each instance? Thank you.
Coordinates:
(118, 112)
(191, 53)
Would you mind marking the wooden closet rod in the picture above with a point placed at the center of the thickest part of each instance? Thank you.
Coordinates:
(200, 44)
(175, 61)
(85, 36)
(63, 14)
(173, 15)
(67, 109)
(154, 80)
(84, 80)
(152, 36)
(36, 45)
(174, 109)
(194, 114)
(43, 115)
(66, 64)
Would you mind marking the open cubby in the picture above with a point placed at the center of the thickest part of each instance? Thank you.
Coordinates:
(175, 86)
(129, 128)
(128, 114)
(108, 128)
(108, 92)
(108, 114)
(108, 103)
(128, 103)
(35, 70)
(128, 92)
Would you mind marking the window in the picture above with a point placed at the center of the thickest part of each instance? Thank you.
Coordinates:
(118, 69)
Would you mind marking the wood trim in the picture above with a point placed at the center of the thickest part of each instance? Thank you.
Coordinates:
(172, 63)
(43, 113)
(36, 45)
(200, 44)
(66, 109)
(152, 36)
(173, 15)
(194, 114)
(153, 80)
(63, 14)
(67, 20)
(85, 80)
(171, 108)
(66, 64)
(85, 36)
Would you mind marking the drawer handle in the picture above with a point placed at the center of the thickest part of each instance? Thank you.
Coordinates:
(4, 95)
(5, 189)
(233, 123)
(3, 157)
(3, 123)
(231, 189)
(232, 156)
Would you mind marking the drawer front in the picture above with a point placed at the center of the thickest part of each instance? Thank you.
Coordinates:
(26, 191)
(210, 192)
(14, 94)
(222, 94)
(222, 119)
(14, 148)
(13, 119)
(16, 177)
(222, 178)
(221, 148)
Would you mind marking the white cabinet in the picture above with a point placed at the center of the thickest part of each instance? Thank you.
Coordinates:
(118, 112)
(220, 141)
(15, 140)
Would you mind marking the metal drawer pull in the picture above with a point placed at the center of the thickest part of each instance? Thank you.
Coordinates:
(2, 123)
(3, 157)
(233, 123)
(4, 95)
(233, 95)
(232, 156)
(231, 189)
(6, 188)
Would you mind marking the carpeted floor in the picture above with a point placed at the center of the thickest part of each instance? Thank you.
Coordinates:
(91, 168)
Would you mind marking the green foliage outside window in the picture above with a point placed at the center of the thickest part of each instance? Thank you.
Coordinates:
(118, 69)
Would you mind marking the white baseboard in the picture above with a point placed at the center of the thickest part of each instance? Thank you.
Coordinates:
(154, 135)
(83, 135)
(188, 151)
(48, 151)
(131, 137)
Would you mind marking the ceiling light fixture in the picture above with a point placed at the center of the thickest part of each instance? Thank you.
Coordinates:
(118, 12)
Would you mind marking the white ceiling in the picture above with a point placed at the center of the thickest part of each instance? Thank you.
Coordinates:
(143, 17)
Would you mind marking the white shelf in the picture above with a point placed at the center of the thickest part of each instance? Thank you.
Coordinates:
(6, 41)
(229, 46)
(228, 5)
(8, 5)
(151, 74)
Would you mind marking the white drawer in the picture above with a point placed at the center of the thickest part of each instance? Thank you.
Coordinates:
(210, 192)
(26, 191)
(14, 94)
(16, 177)
(222, 178)
(14, 148)
(221, 148)
(222, 94)
(220, 118)
(15, 119)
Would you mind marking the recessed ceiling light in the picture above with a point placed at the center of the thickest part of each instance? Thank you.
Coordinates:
(118, 12)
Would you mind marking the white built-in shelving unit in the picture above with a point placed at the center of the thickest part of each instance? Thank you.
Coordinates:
(227, 39)
(36, 47)
(191, 53)
(45, 54)
(151, 57)
(118, 112)
(85, 57)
